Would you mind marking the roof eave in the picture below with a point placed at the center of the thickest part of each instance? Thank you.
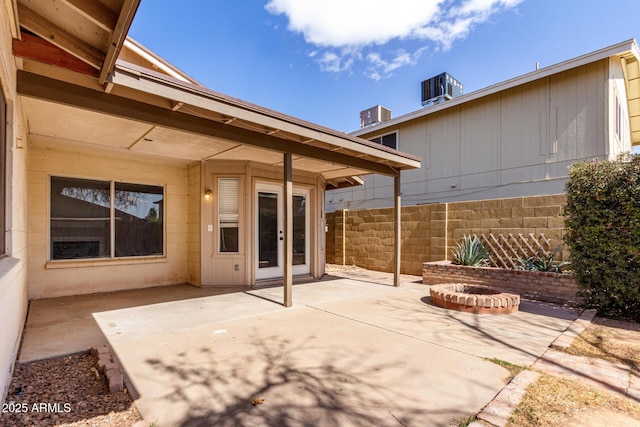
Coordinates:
(118, 37)
(142, 79)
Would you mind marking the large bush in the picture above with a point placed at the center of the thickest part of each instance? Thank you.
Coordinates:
(602, 220)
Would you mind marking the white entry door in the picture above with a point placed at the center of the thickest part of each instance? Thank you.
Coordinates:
(269, 244)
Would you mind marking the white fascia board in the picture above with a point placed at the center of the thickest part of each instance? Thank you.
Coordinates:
(200, 97)
(146, 54)
(628, 47)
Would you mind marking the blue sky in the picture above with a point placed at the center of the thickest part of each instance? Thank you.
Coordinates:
(326, 60)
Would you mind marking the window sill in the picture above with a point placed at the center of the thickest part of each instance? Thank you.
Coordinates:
(103, 262)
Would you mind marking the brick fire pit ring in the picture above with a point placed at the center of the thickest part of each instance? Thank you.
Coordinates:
(474, 298)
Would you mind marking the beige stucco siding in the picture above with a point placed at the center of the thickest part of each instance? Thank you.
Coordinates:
(13, 271)
(56, 278)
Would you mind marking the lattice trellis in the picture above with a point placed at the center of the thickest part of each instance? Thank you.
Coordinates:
(506, 250)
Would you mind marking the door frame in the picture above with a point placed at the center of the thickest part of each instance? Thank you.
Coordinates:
(278, 272)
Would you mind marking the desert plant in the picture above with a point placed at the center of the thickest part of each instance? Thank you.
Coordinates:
(470, 252)
(543, 263)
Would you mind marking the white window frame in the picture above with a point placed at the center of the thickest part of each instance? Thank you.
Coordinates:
(228, 204)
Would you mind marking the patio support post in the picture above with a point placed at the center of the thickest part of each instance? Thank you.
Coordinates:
(397, 210)
(288, 230)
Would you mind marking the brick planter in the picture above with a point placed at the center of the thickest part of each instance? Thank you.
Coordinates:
(536, 285)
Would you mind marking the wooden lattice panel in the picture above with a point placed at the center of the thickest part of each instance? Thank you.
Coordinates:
(506, 250)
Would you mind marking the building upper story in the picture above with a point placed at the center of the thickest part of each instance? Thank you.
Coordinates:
(515, 138)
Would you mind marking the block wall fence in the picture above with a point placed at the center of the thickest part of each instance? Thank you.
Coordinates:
(429, 232)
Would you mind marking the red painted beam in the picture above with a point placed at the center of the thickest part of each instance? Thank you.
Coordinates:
(33, 47)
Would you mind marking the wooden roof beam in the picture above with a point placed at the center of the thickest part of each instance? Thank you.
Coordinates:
(118, 36)
(95, 12)
(59, 37)
(38, 49)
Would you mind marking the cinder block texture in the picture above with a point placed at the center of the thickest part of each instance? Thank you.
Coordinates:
(429, 232)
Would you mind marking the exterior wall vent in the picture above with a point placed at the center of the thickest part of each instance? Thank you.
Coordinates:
(439, 89)
(374, 115)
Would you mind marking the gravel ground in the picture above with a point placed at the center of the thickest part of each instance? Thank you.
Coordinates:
(65, 391)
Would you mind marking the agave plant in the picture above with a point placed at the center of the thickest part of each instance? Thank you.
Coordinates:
(470, 252)
(543, 263)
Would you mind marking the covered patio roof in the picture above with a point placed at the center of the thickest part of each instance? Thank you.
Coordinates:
(74, 80)
(76, 95)
(152, 115)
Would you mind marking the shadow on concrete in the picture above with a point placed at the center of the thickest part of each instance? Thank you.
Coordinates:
(280, 393)
(606, 380)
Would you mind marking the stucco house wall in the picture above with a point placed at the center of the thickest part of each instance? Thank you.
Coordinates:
(13, 271)
(49, 278)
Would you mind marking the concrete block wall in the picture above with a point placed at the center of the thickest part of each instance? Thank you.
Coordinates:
(331, 243)
(429, 232)
(50, 279)
(537, 215)
(13, 267)
(194, 198)
(365, 238)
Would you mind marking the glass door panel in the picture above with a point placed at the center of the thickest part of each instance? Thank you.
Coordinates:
(270, 231)
(268, 237)
(299, 230)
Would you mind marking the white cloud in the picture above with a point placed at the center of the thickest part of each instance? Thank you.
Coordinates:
(380, 68)
(343, 30)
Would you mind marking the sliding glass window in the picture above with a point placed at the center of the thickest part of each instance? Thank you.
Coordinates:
(102, 219)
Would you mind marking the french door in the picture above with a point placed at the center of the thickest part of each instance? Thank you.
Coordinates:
(269, 243)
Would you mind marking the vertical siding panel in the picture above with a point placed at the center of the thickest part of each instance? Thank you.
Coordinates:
(479, 138)
(444, 137)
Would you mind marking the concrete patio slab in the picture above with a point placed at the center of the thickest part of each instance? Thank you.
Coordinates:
(310, 367)
(65, 325)
(346, 353)
(518, 338)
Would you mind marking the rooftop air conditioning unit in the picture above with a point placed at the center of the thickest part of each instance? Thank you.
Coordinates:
(374, 115)
(439, 89)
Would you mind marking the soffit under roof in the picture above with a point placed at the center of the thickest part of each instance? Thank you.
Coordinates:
(92, 31)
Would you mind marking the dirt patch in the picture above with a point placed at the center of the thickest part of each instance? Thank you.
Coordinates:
(552, 401)
(65, 391)
(615, 340)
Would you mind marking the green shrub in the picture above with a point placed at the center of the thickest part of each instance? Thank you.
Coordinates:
(602, 220)
(470, 252)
